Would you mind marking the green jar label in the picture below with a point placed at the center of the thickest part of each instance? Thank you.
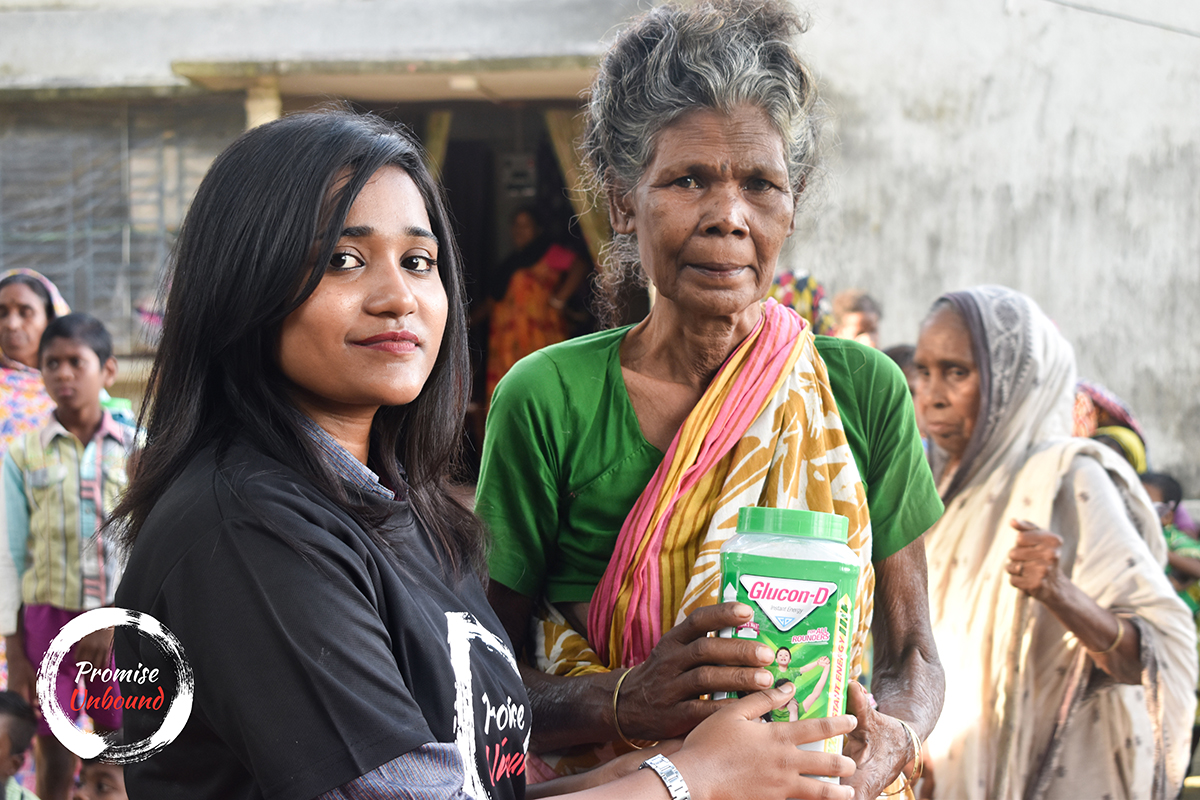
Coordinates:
(804, 611)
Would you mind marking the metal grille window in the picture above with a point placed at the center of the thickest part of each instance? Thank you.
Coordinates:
(92, 195)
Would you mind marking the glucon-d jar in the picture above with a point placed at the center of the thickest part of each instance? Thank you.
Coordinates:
(796, 571)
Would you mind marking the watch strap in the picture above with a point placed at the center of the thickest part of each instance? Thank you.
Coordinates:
(670, 776)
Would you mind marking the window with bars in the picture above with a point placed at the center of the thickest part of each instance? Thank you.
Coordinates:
(92, 194)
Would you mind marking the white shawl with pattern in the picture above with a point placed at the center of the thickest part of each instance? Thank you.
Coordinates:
(1027, 715)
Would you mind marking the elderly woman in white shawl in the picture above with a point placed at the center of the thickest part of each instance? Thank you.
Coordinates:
(1070, 663)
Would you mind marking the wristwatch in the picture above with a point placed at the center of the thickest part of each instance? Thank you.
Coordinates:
(670, 776)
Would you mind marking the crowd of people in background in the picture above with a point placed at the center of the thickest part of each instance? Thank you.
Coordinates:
(65, 451)
(1028, 595)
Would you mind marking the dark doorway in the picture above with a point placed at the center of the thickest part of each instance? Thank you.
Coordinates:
(499, 160)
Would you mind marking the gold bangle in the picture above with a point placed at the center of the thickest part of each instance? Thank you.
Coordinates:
(617, 722)
(1117, 641)
(918, 765)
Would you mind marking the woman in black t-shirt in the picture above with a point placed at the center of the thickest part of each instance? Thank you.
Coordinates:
(329, 599)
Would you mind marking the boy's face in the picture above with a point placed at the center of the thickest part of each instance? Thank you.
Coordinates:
(74, 375)
(861, 326)
(100, 782)
(10, 762)
(1166, 515)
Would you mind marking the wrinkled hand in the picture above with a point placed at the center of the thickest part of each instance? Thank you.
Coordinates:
(95, 648)
(1034, 563)
(732, 755)
(661, 697)
(879, 746)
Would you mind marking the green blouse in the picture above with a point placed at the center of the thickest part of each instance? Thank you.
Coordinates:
(564, 460)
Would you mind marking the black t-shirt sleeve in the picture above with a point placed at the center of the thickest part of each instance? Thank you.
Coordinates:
(293, 663)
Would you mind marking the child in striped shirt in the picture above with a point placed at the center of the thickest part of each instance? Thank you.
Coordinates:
(59, 485)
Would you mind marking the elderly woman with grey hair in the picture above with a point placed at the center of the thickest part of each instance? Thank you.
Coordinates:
(1071, 663)
(614, 465)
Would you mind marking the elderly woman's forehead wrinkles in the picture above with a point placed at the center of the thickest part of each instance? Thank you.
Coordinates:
(745, 131)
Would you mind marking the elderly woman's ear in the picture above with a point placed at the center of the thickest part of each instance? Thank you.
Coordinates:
(620, 211)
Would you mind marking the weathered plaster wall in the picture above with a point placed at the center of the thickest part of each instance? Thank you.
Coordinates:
(119, 43)
(1028, 144)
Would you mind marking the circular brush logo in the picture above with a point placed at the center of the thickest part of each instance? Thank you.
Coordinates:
(92, 745)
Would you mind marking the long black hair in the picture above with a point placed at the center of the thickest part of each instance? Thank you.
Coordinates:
(253, 247)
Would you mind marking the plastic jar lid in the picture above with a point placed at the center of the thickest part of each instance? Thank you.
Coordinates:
(793, 521)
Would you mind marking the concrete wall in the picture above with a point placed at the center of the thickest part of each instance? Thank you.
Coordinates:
(1028, 144)
(50, 44)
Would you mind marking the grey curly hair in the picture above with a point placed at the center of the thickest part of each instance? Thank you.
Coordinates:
(714, 54)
